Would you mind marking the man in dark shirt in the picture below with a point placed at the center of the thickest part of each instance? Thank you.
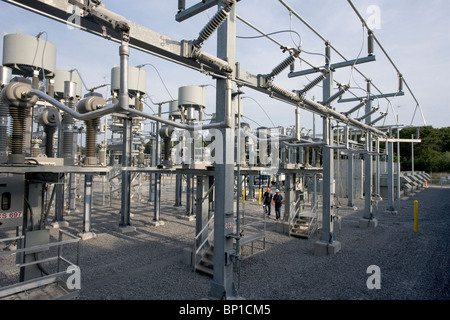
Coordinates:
(277, 200)
(267, 201)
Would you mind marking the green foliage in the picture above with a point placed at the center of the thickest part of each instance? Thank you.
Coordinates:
(431, 155)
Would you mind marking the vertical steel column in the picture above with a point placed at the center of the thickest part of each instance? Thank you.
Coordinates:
(157, 183)
(86, 233)
(328, 179)
(350, 191)
(368, 218)
(327, 243)
(125, 215)
(189, 194)
(397, 191)
(222, 285)
(391, 206)
(377, 166)
(178, 189)
(151, 186)
(201, 208)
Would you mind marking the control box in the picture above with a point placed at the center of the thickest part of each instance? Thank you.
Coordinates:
(12, 188)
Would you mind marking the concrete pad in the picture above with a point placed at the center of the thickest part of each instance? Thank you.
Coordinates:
(324, 248)
(282, 227)
(156, 223)
(126, 229)
(189, 218)
(59, 224)
(87, 235)
(368, 223)
(393, 211)
(187, 256)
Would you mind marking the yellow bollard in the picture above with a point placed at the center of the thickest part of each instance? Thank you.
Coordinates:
(416, 216)
(243, 195)
(259, 197)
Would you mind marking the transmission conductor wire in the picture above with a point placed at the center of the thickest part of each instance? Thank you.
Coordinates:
(389, 58)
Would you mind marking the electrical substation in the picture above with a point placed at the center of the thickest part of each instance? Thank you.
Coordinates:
(212, 168)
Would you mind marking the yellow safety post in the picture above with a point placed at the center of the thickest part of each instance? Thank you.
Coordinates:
(416, 216)
(243, 194)
(259, 197)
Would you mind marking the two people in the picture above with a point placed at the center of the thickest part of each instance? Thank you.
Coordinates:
(269, 198)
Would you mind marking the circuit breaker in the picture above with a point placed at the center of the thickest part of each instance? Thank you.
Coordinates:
(12, 188)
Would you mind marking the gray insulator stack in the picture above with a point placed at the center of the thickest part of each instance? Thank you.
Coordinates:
(3, 128)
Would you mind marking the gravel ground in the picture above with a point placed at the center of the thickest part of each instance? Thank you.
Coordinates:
(146, 264)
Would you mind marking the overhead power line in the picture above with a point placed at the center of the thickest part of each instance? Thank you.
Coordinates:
(390, 60)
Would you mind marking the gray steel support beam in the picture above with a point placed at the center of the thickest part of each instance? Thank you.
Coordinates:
(328, 175)
(87, 210)
(377, 166)
(390, 179)
(125, 210)
(125, 214)
(373, 97)
(350, 179)
(327, 243)
(157, 182)
(178, 189)
(195, 9)
(189, 196)
(102, 22)
(222, 285)
(33, 210)
(368, 219)
(201, 208)
(333, 66)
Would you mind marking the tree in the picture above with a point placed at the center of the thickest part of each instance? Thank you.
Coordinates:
(432, 154)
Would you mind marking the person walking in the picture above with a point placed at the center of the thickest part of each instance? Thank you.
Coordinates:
(267, 201)
(277, 200)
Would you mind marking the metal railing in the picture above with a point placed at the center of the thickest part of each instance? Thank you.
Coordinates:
(47, 279)
(252, 232)
(201, 246)
(312, 223)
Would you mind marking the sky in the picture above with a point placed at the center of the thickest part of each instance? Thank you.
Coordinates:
(414, 34)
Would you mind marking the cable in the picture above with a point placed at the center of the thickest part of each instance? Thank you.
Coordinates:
(252, 121)
(359, 54)
(326, 41)
(43, 53)
(149, 64)
(261, 109)
(389, 58)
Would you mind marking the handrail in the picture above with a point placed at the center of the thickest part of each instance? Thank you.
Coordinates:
(295, 213)
(196, 251)
(313, 210)
(4, 291)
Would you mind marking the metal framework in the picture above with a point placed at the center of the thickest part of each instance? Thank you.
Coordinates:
(224, 67)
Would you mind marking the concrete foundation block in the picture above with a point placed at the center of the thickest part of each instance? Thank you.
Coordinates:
(392, 211)
(59, 224)
(87, 235)
(126, 229)
(189, 218)
(324, 248)
(368, 223)
(282, 227)
(157, 223)
(187, 256)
